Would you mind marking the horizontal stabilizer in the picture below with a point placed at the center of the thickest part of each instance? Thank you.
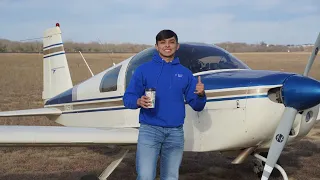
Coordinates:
(56, 135)
(31, 112)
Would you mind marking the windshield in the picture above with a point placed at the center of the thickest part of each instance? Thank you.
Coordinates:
(196, 57)
(200, 58)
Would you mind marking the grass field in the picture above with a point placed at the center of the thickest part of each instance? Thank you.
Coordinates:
(21, 88)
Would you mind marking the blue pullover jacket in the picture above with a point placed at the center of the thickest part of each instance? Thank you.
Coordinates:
(174, 85)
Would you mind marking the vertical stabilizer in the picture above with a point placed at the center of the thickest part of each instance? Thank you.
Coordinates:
(56, 74)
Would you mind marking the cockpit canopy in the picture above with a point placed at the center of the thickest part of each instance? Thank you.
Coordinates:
(196, 57)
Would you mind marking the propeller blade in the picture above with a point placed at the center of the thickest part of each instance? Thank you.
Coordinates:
(279, 140)
(313, 56)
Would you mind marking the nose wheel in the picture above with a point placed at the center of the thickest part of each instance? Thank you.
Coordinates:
(259, 166)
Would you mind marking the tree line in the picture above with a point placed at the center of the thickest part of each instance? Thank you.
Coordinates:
(7, 46)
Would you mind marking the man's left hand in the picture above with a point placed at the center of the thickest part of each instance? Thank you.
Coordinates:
(199, 87)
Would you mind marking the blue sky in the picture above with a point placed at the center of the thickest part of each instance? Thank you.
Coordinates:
(138, 21)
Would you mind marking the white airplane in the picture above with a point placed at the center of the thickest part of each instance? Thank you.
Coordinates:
(247, 111)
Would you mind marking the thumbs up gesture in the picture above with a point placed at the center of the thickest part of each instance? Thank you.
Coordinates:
(199, 87)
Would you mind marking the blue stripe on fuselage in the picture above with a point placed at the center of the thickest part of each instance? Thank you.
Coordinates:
(243, 78)
(122, 108)
(95, 110)
(67, 98)
(234, 98)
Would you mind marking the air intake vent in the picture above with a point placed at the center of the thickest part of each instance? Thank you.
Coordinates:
(275, 95)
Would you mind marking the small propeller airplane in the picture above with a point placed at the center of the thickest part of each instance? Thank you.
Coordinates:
(247, 111)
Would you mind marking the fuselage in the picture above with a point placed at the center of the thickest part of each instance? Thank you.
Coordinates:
(242, 108)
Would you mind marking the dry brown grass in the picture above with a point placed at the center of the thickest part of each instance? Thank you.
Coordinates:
(21, 88)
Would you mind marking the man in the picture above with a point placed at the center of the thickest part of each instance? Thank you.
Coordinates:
(161, 128)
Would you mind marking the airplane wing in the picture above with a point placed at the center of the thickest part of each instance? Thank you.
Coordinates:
(31, 112)
(56, 135)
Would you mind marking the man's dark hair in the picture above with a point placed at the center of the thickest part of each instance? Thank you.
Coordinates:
(165, 34)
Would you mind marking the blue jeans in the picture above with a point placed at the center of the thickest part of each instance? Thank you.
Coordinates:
(154, 141)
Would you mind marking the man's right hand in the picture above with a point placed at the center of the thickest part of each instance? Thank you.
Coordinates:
(144, 102)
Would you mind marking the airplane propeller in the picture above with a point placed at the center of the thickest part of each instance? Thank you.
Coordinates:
(291, 97)
(313, 56)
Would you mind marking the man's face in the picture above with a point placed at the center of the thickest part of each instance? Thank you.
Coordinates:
(167, 47)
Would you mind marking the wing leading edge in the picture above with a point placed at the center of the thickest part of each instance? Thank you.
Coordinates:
(55, 135)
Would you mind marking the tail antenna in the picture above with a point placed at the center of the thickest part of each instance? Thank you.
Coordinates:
(86, 63)
(107, 52)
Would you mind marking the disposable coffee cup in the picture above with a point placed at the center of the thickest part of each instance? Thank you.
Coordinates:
(151, 93)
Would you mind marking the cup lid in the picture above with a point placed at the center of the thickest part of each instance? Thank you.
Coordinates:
(150, 89)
